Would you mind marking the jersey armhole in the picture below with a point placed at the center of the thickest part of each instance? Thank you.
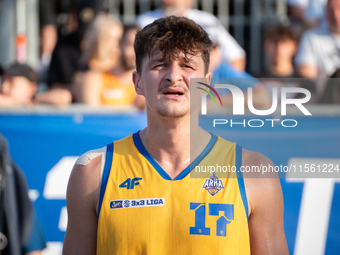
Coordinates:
(240, 179)
(104, 173)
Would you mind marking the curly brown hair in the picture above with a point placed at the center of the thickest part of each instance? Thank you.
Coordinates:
(170, 34)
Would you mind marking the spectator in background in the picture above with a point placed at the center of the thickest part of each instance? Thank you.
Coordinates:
(100, 46)
(306, 13)
(20, 231)
(112, 84)
(221, 69)
(318, 55)
(280, 46)
(55, 17)
(231, 50)
(67, 53)
(19, 85)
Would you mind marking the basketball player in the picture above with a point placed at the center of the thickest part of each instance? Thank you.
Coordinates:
(135, 196)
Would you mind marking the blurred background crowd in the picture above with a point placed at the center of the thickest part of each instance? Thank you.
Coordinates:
(84, 50)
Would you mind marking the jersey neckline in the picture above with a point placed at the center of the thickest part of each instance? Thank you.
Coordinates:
(139, 145)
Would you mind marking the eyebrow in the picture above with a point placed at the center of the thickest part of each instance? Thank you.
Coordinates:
(156, 60)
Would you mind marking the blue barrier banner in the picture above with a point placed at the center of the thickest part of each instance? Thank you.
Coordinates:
(46, 145)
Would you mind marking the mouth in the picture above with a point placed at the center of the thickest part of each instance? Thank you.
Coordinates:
(173, 92)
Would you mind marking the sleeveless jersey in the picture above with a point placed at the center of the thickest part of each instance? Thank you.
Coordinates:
(143, 211)
(115, 93)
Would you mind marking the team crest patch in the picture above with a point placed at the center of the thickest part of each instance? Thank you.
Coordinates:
(213, 185)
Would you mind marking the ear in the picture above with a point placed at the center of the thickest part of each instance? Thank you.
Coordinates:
(207, 78)
(137, 82)
(33, 89)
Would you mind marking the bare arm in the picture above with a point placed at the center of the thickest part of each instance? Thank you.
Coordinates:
(82, 200)
(54, 96)
(49, 38)
(6, 101)
(265, 208)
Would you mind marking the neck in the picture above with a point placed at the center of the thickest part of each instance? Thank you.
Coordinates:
(123, 74)
(173, 143)
(174, 10)
(282, 68)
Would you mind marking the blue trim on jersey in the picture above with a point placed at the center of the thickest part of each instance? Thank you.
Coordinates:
(240, 178)
(199, 158)
(160, 170)
(106, 173)
(147, 155)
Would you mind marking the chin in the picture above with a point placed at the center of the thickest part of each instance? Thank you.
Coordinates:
(173, 113)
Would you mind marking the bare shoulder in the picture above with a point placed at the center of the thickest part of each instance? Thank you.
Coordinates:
(86, 176)
(257, 165)
(82, 199)
(265, 203)
(259, 179)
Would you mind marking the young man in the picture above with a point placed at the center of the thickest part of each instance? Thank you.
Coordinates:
(135, 196)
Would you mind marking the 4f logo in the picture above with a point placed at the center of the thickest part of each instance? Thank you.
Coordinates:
(214, 210)
(130, 183)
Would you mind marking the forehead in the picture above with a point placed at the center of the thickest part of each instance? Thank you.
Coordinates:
(177, 55)
(17, 80)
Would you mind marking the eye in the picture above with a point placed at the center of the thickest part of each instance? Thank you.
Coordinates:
(187, 66)
(158, 65)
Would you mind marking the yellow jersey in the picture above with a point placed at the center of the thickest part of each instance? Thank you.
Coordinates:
(143, 211)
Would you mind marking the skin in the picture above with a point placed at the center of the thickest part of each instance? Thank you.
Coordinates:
(17, 91)
(167, 139)
(58, 95)
(280, 55)
(108, 51)
(49, 36)
(179, 7)
(88, 91)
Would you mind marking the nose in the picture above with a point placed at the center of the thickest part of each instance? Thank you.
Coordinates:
(173, 73)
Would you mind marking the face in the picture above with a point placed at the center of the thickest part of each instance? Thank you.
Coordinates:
(333, 15)
(128, 53)
(20, 89)
(181, 4)
(165, 84)
(109, 42)
(281, 50)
